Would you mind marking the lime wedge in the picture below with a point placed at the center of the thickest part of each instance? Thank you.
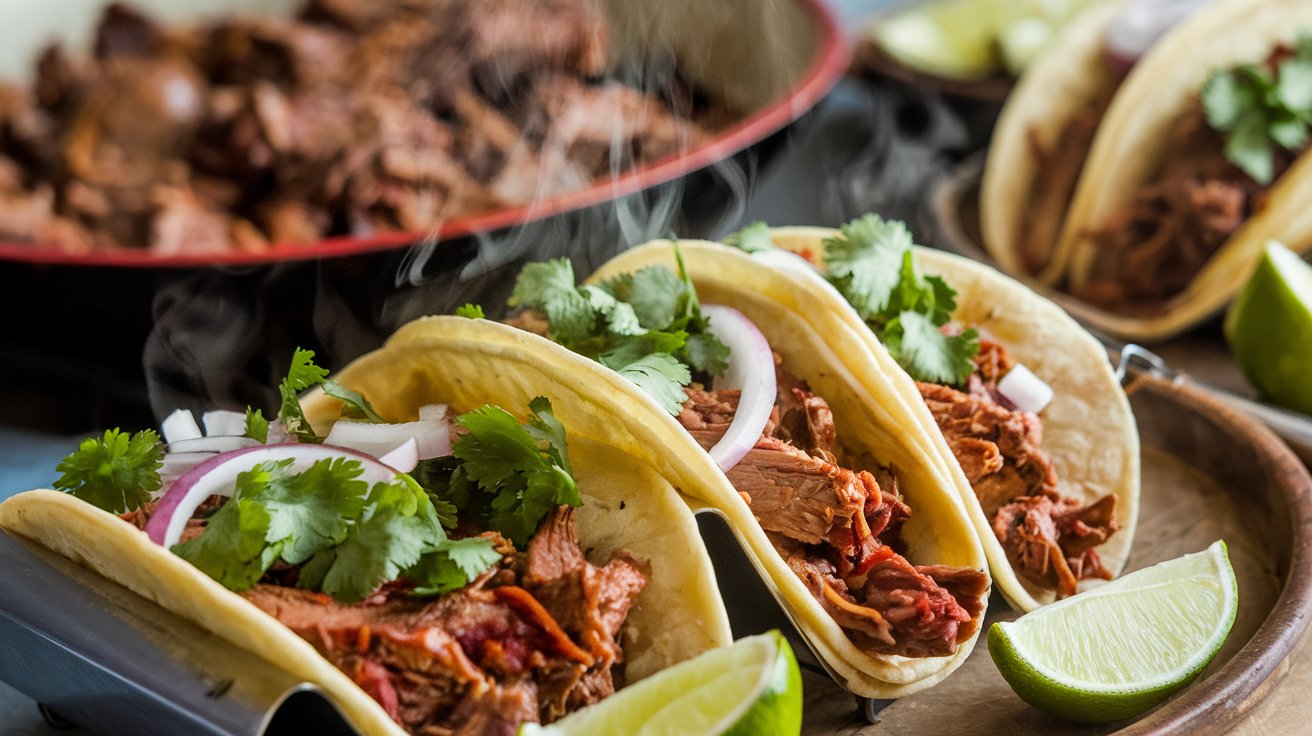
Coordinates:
(950, 38)
(1119, 649)
(1269, 328)
(752, 687)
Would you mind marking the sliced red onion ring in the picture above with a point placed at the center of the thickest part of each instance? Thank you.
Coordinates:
(223, 423)
(433, 437)
(218, 477)
(1140, 25)
(180, 425)
(751, 369)
(211, 444)
(1024, 389)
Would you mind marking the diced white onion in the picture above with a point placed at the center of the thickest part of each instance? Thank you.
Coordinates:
(433, 437)
(432, 411)
(211, 444)
(403, 458)
(1141, 24)
(176, 464)
(223, 423)
(751, 370)
(180, 425)
(1025, 390)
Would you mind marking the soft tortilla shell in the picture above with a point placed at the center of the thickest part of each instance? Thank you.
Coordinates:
(627, 505)
(1057, 86)
(1128, 150)
(814, 345)
(1089, 431)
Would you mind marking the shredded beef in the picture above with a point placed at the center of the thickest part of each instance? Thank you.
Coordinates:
(531, 642)
(352, 118)
(839, 529)
(1048, 538)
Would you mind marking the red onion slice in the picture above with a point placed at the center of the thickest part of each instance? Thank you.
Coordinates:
(751, 370)
(1140, 25)
(433, 437)
(176, 464)
(223, 423)
(211, 444)
(403, 458)
(180, 425)
(218, 477)
(1025, 390)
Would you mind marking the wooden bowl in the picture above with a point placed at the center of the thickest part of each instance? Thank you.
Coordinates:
(1209, 472)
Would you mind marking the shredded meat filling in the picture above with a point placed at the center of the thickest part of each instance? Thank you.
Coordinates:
(1048, 538)
(838, 529)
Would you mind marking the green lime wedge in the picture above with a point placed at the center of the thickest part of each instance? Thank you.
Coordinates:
(1119, 649)
(1269, 328)
(949, 38)
(752, 687)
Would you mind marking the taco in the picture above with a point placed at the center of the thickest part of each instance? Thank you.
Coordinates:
(770, 417)
(1196, 160)
(517, 573)
(1018, 400)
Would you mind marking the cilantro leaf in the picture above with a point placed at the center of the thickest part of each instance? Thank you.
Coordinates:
(116, 472)
(705, 354)
(454, 566)
(257, 427)
(470, 311)
(308, 511)
(927, 353)
(754, 238)
(232, 549)
(864, 262)
(377, 550)
(1260, 113)
(356, 407)
(523, 472)
(662, 376)
(646, 325)
(302, 374)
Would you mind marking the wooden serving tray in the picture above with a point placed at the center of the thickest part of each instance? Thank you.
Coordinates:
(1209, 472)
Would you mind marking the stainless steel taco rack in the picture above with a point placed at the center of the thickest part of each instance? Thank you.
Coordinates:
(96, 655)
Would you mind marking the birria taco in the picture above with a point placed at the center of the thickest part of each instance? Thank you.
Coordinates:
(1152, 198)
(1018, 400)
(752, 388)
(516, 572)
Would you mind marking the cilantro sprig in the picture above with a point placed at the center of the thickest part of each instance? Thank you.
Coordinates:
(507, 474)
(116, 472)
(301, 375)
(646, 325)
(1260, 113)
(870, 262)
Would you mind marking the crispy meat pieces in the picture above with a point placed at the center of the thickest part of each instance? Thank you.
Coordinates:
(354, 118)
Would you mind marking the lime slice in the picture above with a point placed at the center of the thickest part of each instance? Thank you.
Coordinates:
(1119, 649)
(1269, 328)
(950, 38)
(752, 687)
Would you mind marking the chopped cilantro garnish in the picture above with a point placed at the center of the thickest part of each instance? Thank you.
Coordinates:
(871, 264)
(117, 472)
(356, 407)
(645, 325)
(257, 427)
(470, 311)
(233, 548)
(302, 374)
(1260, 114)
(453, 567)
(754, 238)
